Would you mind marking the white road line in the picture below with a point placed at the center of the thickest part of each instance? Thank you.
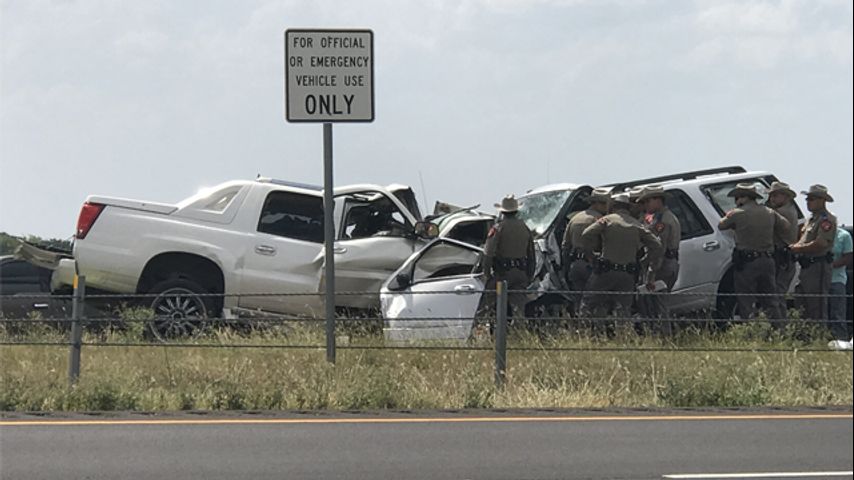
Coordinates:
(712, 476)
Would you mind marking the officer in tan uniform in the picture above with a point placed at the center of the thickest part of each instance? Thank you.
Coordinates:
(636, 208)
(782, 199)
(579, 260)
(664, 225)
(753, 258)
(813, 251)
(621, 236)
(509, 254)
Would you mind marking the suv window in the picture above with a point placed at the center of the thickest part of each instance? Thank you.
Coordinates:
(691, 220)
(473, 232)
(717, 193)
(445, 260)
(293, 215)
(369, 214)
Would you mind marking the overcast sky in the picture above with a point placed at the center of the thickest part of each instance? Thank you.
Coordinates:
(157, 99)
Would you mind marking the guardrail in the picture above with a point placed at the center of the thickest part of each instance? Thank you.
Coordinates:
(493, 321)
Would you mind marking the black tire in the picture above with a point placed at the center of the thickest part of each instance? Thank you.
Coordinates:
(179, 309)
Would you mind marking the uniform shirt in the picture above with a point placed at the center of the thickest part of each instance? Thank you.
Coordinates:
(666, 227)
(841, 245)
(577, 224)
(820, 225)
(509, 239)
(755, 226)
(621, 236)
(790, 235)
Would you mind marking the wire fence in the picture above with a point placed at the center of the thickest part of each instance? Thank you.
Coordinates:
(476, 320)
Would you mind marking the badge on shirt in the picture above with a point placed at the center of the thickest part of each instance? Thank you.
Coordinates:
(826, 225)
(659, 227)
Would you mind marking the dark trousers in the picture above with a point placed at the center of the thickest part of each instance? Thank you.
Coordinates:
(815, 281)
(655, 306)
(615, 291)
(758, 276)
(783, 279)
(836, 305)
(578, 277)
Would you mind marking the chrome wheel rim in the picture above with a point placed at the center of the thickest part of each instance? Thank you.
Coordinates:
(178, 312)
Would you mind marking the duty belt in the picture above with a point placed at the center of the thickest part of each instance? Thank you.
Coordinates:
(750, 255)
(509, 263)
(576, 254)
(807, 260)
(672, 254)
(603, 265)
(741, 257)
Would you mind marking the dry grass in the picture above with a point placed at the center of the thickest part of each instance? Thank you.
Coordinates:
(181, 378)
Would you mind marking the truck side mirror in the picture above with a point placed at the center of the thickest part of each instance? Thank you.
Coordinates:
(400, 282)
(426, 229)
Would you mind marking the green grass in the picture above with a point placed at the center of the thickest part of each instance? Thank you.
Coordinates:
(34, 378)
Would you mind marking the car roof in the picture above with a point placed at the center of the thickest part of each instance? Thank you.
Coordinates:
(695, 178)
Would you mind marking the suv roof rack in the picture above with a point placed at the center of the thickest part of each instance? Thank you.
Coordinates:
(676, 176)
(286, 183)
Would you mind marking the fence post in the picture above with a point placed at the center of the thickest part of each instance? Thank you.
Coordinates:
(500, 333)
(78, 304)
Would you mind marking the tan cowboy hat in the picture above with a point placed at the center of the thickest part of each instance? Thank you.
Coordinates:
(635, 193)
(508, 204)
(744, 190)
(819, 191)
(781, 187)
(651, 192)
(622, 198)
(599, 195)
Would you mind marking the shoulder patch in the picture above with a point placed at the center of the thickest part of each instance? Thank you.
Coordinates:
(827, 225)
(491, 232)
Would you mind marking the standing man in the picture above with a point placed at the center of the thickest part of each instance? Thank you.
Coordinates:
(636, 208)
(843, 253)
(813, 251)
(753, 258)
(509, 254)
(782, 199)
(621, 236)
(579, 260)
(664, 225)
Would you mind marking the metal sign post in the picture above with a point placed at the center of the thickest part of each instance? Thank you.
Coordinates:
(329, 77)
(329, 242)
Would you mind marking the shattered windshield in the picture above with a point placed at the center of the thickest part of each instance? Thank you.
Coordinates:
(539, 210)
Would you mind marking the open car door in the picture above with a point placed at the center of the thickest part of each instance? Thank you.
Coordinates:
(376, 235)
(435, 294)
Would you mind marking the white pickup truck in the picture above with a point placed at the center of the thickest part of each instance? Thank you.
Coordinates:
(248, 240)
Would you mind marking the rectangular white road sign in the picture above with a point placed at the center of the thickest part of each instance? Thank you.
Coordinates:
(329, 75)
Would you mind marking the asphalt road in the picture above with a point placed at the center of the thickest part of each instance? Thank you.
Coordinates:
(435, 446)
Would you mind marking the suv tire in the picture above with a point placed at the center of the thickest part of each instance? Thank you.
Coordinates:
(179, 309)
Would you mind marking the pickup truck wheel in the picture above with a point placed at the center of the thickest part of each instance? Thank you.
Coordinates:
(179, 311)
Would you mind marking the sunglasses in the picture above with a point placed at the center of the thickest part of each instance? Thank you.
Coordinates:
(809, 199)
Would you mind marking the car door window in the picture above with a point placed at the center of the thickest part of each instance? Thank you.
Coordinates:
(293, 215)
(691, 220)
(444, 260)
(473, 232)
(372, 214)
